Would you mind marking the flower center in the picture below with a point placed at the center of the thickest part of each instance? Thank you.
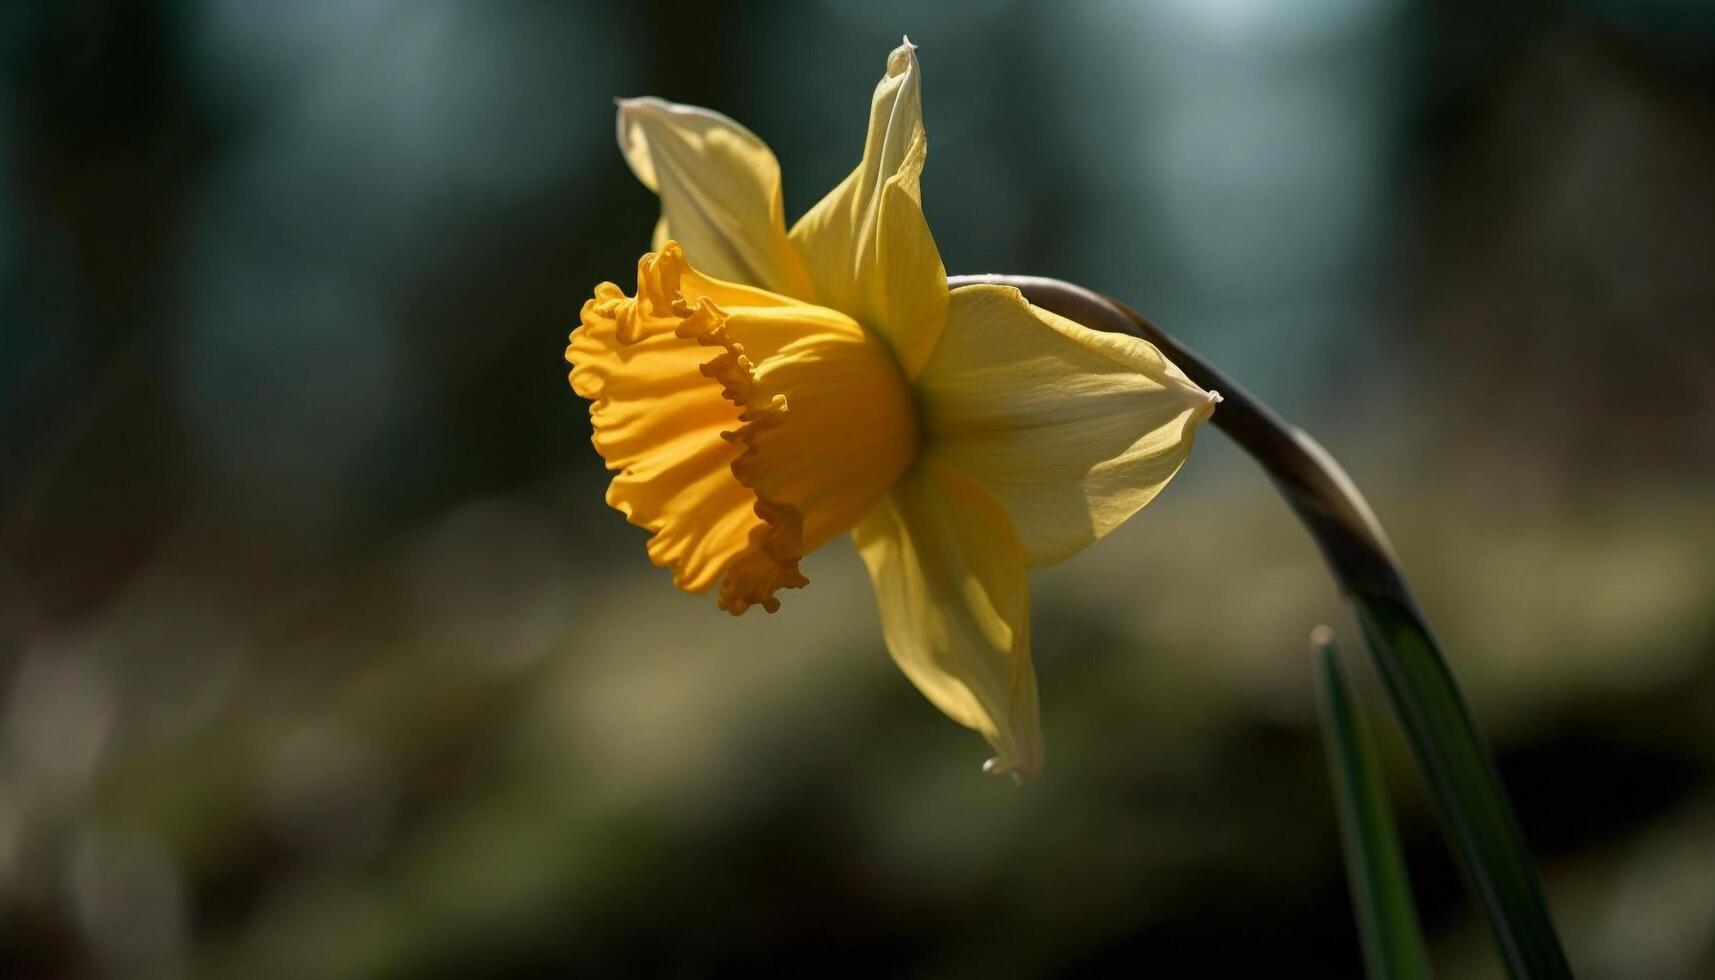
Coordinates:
(747, 428)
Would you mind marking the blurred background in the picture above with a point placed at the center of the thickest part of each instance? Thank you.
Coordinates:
(320, 655)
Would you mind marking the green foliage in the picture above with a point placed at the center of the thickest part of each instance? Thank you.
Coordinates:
(1459, 768)
(1381, 890)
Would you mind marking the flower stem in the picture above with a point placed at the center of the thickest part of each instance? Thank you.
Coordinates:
(1450, 750)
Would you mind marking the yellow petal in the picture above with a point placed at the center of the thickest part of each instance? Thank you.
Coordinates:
(747, 428)
(866, 244)
(1072, 430)
(950, 579)
(720, 193)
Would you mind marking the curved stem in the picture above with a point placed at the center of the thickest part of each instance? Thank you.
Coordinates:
(1318, 490)
(1449, 748)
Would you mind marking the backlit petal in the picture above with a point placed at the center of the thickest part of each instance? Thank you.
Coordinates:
(866, 244)
(950, 580)
(1071, 429)
(720, 193)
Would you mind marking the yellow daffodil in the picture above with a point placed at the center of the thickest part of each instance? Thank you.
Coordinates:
(765, 391)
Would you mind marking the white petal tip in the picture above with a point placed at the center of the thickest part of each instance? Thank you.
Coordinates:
(1206, 407)
(902, 58)
(994, 767)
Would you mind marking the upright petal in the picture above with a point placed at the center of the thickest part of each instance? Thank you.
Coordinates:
(1072, 430)
(866, 244)
(720, 193)
(950, 579)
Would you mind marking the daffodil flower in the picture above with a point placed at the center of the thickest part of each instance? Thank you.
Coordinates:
(764, 391)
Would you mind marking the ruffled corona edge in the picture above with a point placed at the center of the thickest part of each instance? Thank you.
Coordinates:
(769, 560)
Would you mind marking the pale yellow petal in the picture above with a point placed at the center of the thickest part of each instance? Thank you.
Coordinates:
(720, 193)
(866, 244)
(1071, 429)
(950, 580)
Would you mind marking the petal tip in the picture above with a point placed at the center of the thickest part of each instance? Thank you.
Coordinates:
(632, 146)
(902, 59)
(624, 107)
(633, 109)
(1210, 400)
(1019, 772)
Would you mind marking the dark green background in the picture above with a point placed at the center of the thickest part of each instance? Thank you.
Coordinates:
(320, 655)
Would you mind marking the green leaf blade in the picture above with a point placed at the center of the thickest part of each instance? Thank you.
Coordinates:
(1459, 768)
(1375, 866)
